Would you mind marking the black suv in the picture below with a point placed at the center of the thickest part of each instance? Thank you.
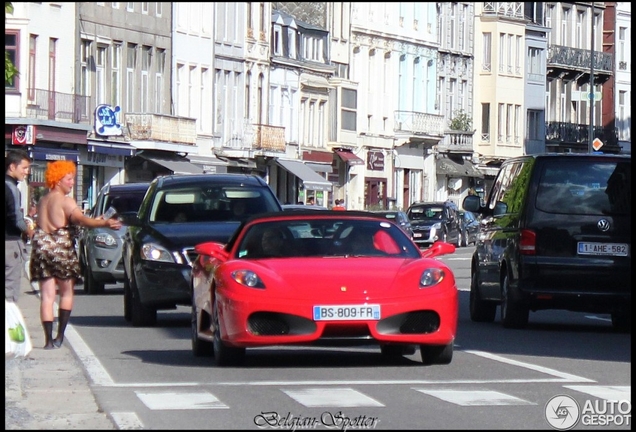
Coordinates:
(555, 234)
(432, 221)
(100, 248)
(178, 212)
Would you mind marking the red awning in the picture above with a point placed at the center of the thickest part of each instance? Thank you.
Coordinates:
(349, 157)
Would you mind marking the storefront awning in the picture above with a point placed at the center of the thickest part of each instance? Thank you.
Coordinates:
(310, 178)
(457, 167)
(53, 154)
(209, 164)
(318, 167)
(349, 157)
(110, 148)
(177, 166)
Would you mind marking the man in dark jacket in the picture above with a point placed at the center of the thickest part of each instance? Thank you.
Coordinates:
(17, 165)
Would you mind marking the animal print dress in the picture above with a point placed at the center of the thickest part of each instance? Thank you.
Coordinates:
(54, 255)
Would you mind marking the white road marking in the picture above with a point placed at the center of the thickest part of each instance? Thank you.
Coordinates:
(548, 371)
(332, 397)
(127, 420)
(180, 401)
(475, 397)
(615, 393)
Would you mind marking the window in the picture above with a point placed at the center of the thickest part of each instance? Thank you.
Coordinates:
(622, 36)
(160, 64)
(32, 46)
(533, 131)
(85, 55)
(501, 121)
(509, 123)
(159, 8)
(100, 84)
(518, 55)
(278, 40)
(517, 124)
(11, 41)
(130, 6)
(144, 8)
(535, 70)
(192, 90)
(502, 51)
(349, 109)
(131, 61)
(291, 37)
(146, 58)
(485, 122)
(510, 47)
(623, 117)
(115, 77)
(580, 15)
(487, 64)
(549, 13)
(52, 65)
(564, 27)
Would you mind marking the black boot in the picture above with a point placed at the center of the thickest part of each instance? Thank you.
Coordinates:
(48, 334)
(62, 316)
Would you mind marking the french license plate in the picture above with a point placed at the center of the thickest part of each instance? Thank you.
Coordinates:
(614, 249)
(346, 312)
(417, 234)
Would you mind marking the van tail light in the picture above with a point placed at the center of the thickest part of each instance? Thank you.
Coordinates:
(528, 242)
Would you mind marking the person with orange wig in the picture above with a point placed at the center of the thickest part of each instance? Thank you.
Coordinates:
(54, 262)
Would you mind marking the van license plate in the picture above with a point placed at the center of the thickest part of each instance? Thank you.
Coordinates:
(346, 312)
(614, 249)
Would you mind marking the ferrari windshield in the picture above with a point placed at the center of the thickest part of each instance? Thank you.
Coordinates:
(329, 237)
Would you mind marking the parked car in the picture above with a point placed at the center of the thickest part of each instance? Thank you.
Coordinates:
(556, 234)
(178, 212)
(374, 285)
(399, 218)
(433, 221)
(469, 226)
(100, 249)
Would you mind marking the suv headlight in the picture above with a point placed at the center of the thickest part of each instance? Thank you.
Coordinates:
(105, 240)
(155, 252)
(437, 225)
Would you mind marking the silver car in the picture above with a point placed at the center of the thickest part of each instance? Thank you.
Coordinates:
(100, 249)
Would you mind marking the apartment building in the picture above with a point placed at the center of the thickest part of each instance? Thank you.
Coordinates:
(45, 113)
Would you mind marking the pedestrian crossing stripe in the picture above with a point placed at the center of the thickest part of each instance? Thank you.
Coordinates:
(329, 397)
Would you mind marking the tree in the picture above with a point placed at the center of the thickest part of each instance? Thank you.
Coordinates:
(10, 71)
(461, 122)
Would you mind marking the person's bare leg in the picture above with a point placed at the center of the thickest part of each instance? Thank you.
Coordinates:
(67, 290)
(47, 299)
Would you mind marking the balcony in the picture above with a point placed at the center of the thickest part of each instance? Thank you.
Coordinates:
(575, 137)
(574, 64)
(269, 138)
(456, 142)
(56, 106)
(159, 127)
(504, 9)
(419, 124)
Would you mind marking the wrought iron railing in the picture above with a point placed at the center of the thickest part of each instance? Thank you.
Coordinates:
(579, 58)
(51, 105)
(579, 133)
(507, 9)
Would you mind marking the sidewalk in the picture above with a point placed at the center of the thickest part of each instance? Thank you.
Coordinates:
(49, 389)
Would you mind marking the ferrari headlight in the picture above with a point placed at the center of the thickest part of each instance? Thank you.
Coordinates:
(155, 252)
(105, 240)
(248, 278)
(431, 277)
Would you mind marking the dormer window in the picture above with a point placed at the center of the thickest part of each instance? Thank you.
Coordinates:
(278, 40)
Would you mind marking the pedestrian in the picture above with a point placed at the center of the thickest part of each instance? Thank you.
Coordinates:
(339, 205)
(54, 262)
(17, 165)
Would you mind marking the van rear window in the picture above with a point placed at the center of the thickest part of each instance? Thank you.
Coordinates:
(589, 187)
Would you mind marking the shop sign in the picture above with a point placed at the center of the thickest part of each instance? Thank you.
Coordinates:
(106, 121)
(375, 161)
(23, 135)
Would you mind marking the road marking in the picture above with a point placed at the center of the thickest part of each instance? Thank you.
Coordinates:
(180, 401)
(548, 371)
(475, 397)
(127, 420)
(338, 397)
(605, 392)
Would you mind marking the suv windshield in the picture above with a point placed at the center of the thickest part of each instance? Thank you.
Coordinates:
(426, 213)
(205, 203)
(588, 187)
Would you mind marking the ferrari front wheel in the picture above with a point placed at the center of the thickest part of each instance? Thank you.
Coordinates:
(224, 355)
(436, 354)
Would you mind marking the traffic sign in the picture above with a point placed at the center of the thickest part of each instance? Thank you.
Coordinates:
(597, 144)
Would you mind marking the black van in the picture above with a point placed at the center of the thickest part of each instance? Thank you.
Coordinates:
(555, 234)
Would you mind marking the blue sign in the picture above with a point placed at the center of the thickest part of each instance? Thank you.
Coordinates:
(106, 121)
